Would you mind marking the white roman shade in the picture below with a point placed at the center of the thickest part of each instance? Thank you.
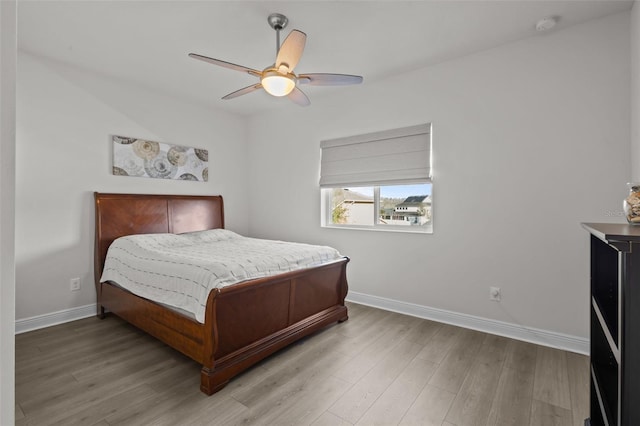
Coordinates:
(391, 157)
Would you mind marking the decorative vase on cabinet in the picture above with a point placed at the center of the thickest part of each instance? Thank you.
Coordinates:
(631, 204)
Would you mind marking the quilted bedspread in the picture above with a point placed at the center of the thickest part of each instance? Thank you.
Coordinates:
(181, 270)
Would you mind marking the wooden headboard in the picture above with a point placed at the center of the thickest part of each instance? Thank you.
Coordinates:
(118, 215)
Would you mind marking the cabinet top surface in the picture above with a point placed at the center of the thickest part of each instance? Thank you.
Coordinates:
(614, 231)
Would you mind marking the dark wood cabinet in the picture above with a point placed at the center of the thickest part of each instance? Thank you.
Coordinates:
(615, 324)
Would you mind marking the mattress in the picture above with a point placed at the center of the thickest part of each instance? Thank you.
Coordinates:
(180, 270)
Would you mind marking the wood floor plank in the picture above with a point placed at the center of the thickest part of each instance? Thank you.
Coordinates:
(60, 363)
(393, 404)
(57, 389)
(473, 401)
(551, 382)
(270, 404)
(308, 404)
(93, 333)
(438, 346)
(544, 414)
(356, 308)
(521, 356)
(53, 410)
(361, 396)
(512, 402)
(81, 349)
(578, 370)
(330, 419)
(430, 407)
(182, 368)
(166, 399)
(366, 359)
(453, 369)
(32, 395)
(363, 320)
(19, 414)
(96, 412)
(247, 380)
(119, 364)
(354, 344)
(312, 363)
(305, 370)
(200, 410)
(423, 332)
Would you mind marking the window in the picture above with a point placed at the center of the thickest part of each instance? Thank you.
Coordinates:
(378, 181)
(386, 207)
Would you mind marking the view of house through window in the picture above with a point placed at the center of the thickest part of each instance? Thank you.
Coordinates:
(383, 206)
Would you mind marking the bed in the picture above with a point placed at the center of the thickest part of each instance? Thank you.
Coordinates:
(244, 322)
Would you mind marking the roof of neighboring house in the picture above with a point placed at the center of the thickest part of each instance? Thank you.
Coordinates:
(353, 196)
(414, 200)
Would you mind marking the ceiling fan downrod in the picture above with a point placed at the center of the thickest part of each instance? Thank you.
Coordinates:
(278, 22)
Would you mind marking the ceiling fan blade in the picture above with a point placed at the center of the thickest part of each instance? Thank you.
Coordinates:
(243, 91)
(225, 64)
(298, 97)
(291, 50)
(323, 79)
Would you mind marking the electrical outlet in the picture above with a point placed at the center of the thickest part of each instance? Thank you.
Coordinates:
(495, 294)
(74, 284)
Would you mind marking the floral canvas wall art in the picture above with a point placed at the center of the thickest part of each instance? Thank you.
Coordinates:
(142, 158)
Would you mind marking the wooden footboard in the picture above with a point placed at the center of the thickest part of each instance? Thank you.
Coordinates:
(244, 323)
(256, 318)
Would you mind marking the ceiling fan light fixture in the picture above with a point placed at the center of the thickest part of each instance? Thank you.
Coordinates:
(277, 84)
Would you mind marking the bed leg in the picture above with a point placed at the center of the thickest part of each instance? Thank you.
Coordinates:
(346, 314)
(209, 383)
(100, 313)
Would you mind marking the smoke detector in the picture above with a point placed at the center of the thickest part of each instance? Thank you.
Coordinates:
(546, 23)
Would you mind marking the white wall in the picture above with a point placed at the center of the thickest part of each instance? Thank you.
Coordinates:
(65, 119)
(7, 198)
(635, 91)
(529, 140)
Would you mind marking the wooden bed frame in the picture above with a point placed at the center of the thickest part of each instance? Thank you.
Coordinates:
(244, 323)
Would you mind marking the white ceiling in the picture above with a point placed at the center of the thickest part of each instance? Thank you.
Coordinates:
(147, 42)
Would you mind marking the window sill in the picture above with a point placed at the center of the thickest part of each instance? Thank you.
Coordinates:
(400, 229)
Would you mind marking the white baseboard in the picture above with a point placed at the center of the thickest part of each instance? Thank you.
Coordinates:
(55, 318)
(514, 331)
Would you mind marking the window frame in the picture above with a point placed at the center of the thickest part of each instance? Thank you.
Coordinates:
(327, 219)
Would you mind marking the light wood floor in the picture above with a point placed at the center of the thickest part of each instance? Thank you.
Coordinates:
(377, 368)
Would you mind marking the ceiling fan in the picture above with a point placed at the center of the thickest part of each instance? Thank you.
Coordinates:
(279, 79)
